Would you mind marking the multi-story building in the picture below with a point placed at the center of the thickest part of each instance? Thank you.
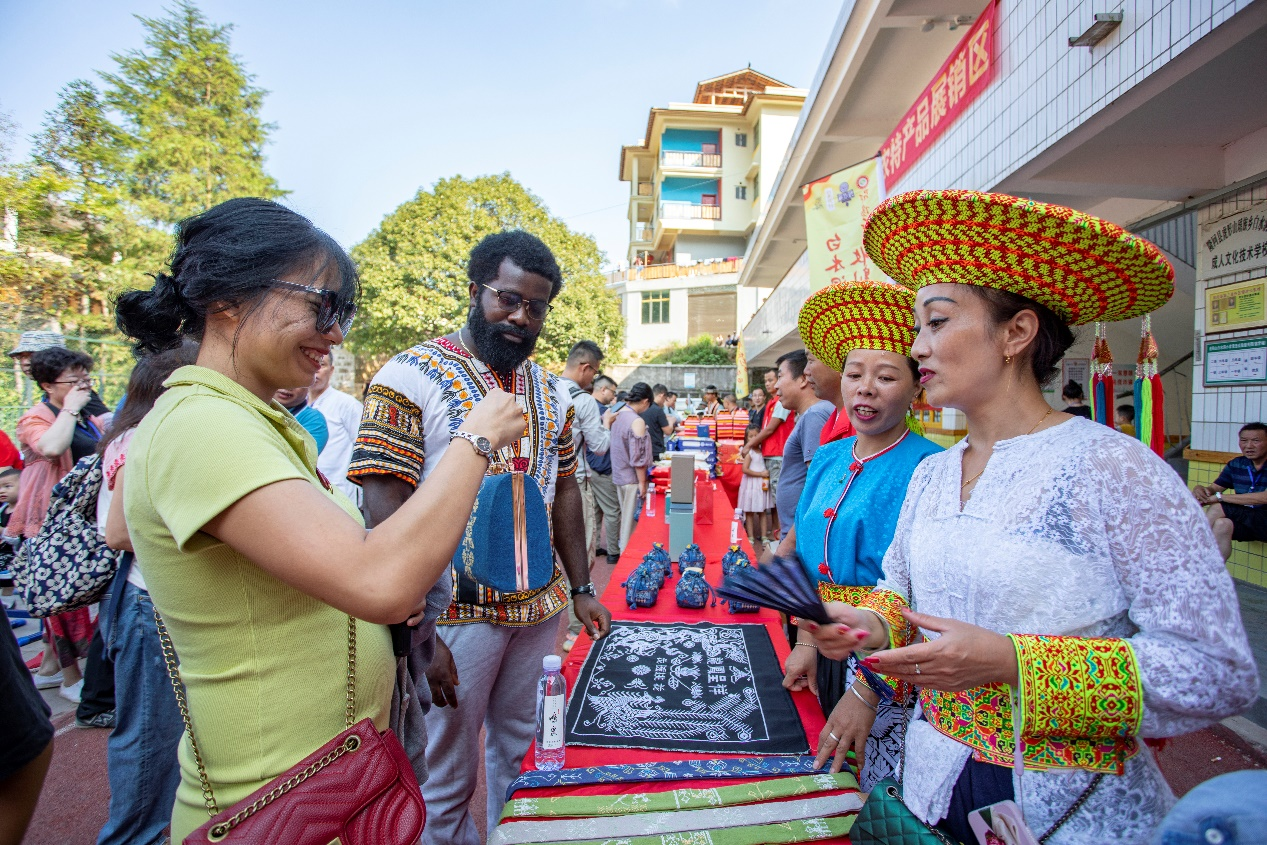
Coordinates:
(694, 199)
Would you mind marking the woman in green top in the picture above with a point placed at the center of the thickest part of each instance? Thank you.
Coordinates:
(254, 561)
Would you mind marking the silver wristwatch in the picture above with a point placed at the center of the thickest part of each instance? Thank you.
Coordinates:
(482, 445)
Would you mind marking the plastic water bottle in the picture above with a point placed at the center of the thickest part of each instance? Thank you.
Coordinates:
(734, 527)
(650, 500)
(552, 694)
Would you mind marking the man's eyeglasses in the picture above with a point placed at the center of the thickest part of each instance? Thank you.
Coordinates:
(510, 301)
(333, 310)
(86, 381)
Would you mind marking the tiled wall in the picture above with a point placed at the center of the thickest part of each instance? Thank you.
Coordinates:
(1219, 412)
(1249, 560)
(1045, 88)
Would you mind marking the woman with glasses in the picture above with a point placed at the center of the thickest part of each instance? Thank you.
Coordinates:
(263, 572)
(53, 436)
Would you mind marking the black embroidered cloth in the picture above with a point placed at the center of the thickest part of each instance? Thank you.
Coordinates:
(685, 687)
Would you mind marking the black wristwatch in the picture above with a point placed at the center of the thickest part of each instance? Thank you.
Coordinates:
(585, 589)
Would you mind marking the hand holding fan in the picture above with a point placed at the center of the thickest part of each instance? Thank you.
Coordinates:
(780, 584)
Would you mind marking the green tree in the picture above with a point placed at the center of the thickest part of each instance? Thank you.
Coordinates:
(413, 269)
(702, 351)
(191, 118)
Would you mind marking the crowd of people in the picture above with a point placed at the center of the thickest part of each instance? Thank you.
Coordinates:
(1006, 625)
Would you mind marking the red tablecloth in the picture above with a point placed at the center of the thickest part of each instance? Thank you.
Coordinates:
(714, 541)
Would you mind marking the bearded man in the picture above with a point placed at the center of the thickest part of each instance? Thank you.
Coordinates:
(492, 641)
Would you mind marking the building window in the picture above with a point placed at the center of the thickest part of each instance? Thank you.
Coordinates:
(741, 139)
(741, 192)
(655, 306)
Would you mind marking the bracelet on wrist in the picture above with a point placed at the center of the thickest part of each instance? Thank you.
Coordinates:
(853, 688)
(807, 645)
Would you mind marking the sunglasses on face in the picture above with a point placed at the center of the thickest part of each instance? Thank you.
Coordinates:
(510, 301)
(333, 309)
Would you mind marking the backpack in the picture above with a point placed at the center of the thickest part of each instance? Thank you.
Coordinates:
(733, 559)
(693, 591)
(691, 557)
(643, 587)
(601, 464)
(67, 565)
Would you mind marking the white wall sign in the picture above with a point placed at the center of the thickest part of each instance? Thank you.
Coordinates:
(688, 381)
(1233, 244)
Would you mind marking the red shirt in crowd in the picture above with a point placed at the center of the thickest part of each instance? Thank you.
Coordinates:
(836, 428)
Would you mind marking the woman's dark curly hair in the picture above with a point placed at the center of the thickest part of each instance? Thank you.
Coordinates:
(227, 257)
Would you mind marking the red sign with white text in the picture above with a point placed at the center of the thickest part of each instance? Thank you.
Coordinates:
(962, 78)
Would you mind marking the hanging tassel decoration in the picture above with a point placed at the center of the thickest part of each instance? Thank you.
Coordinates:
(1150, 402)
(1102, 378)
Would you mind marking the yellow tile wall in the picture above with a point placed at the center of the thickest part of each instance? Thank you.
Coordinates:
(1249, 560)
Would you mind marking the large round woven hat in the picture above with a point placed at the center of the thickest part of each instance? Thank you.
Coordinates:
(1081, 267)
(846, 316)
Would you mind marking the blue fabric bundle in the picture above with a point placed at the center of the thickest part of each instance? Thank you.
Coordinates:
(643, 587)
(733, 559)
(693, 591)
(691, 556)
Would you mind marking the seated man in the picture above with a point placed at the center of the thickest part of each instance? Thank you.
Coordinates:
(1237, 499)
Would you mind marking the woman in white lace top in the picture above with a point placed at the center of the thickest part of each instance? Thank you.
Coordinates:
(1065, 580)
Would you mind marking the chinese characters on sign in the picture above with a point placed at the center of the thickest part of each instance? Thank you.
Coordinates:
(960, 80)
(835, 207)
(1229, 308)
(1233, 362)
(1234, 244)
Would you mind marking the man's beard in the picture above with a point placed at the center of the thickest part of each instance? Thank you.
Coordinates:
(500, 354)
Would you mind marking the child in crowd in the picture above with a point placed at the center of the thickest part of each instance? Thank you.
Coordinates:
(9, 478)
(754, 491)
(1124, 419)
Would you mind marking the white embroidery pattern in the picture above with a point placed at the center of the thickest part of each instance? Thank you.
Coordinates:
(1076, 530)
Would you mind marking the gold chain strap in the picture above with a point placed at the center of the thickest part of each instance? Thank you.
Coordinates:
(351, 743)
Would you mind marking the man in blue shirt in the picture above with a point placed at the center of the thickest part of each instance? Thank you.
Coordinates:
(1235, 500)
(295, 400)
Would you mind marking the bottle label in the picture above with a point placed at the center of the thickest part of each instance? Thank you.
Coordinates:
(552, 728)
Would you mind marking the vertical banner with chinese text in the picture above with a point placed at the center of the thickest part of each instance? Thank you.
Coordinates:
(966, 73)
(835, 207)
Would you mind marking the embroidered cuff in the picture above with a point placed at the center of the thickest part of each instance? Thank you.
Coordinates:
(888, 606)
(1078, 687)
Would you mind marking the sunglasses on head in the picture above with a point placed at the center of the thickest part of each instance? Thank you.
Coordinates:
(333, 310)
(510, 301)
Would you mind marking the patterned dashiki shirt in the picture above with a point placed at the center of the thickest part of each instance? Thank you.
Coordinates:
(415, 403)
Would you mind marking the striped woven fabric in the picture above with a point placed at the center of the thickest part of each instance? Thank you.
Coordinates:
(846, 316)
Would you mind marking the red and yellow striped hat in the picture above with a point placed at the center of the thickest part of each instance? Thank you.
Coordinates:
(846, 316)
(1081, 267)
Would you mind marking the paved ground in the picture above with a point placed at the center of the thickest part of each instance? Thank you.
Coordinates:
(74, 802)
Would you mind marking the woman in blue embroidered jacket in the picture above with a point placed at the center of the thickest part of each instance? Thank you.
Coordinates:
(849, 507)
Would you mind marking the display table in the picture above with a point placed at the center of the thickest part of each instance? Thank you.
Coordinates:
(714, 541)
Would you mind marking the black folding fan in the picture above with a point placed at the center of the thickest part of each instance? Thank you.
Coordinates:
(780, 584)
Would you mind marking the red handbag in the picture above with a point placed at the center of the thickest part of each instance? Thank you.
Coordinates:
(357, 789)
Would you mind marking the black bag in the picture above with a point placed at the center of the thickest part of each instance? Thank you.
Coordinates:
(67, 565)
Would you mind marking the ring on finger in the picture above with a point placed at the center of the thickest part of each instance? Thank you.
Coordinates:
(834, 738)
(917, 669)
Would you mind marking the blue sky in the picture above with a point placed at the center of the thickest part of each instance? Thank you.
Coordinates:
(375, 100)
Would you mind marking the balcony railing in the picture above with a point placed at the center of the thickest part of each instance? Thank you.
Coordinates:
(673, 271)
(643, 233)
(676, 158)
(689, 211)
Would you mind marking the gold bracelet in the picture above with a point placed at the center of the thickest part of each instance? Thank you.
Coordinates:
(810, 645)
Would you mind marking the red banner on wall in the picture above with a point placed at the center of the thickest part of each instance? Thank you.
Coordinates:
(965, 74)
